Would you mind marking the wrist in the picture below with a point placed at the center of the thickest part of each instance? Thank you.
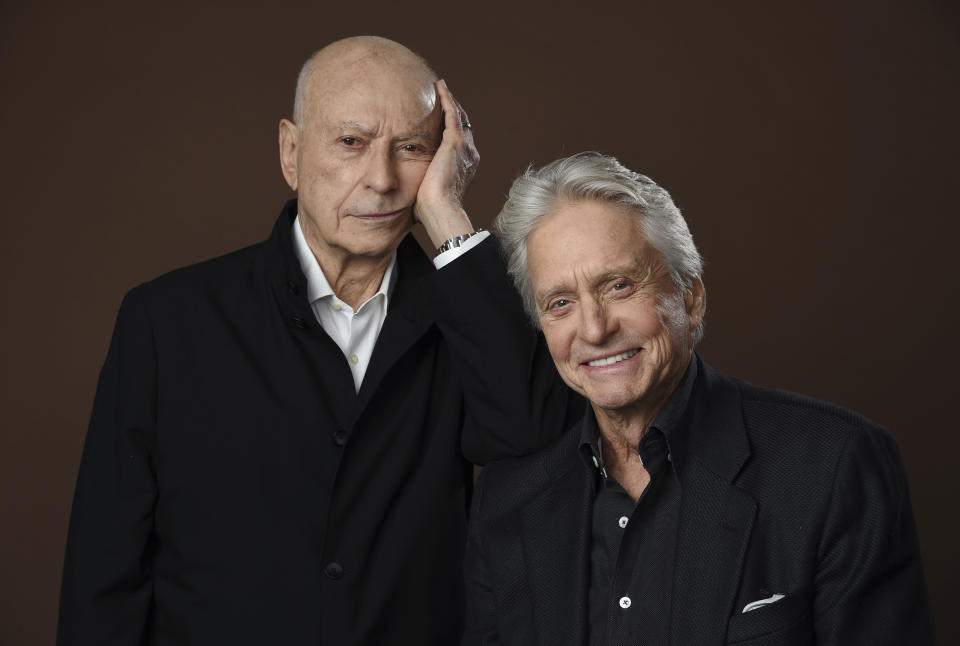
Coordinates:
(456, 241)
(452, 223)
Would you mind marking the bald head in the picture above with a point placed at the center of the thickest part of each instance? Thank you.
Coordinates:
(330, 69)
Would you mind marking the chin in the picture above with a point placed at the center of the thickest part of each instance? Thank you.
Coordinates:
(612, 401)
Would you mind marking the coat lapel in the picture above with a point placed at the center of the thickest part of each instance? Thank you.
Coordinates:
(407, 320)
(716, 518)
(321, 357)
(556, 535)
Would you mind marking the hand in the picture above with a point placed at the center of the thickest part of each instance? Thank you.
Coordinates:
(439, 205)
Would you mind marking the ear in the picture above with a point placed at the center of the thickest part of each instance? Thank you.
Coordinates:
(695, 302)
(289, 140)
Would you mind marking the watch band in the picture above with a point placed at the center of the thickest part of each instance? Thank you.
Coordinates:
(456, 241)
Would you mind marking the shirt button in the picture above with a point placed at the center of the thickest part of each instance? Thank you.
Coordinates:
(353, 358)
(337, 307)
(624, 602)
(623, 521)
(335, 571)
(340, 438)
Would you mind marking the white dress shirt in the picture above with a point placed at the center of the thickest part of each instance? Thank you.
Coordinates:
(355, 331)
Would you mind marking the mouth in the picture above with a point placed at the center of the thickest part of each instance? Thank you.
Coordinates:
(613, 359)
(379, 217)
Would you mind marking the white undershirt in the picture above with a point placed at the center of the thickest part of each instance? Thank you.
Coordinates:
(355, 332)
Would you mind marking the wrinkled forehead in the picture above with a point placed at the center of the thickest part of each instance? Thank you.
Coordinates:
(579, 248)
(365, 78)
(366, 91)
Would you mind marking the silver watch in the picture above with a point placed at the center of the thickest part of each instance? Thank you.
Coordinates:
(456, 241)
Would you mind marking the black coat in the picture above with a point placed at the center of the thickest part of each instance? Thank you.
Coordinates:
(780, 494)
(235, 489)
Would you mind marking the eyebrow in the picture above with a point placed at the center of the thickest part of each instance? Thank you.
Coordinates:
(367, 132)
(638, 273)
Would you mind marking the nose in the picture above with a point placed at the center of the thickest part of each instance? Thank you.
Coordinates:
(596, 324)
(381, 171)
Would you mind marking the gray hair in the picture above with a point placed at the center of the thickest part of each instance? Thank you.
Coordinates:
(601, 178)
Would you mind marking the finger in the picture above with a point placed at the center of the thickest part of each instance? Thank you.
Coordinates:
(455, 117)
(457, 129)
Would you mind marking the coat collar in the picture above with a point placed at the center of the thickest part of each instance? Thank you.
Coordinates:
(711, 430)
(409, 314)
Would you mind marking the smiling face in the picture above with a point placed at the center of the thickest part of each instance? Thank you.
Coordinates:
(617, 330)
(369, 128)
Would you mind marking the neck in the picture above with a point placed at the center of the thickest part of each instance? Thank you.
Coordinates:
(621, 429)
(354, 279)
(620, 435)
(355, 282)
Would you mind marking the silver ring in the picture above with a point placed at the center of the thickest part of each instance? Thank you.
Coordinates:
(466, 123)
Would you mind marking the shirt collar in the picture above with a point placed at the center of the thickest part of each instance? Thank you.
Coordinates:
(317, 284)
(665, 423)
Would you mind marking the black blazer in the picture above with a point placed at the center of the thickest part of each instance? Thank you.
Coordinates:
(235, 489)
(780, 494)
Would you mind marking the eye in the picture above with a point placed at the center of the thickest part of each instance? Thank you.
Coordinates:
(350, 142)
(558, 305)
(621, 287)
(415, 150)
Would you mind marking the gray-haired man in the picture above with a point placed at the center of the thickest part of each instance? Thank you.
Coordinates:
(686, 507)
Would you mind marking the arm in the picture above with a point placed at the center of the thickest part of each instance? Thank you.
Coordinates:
(869, 583)
(515, 401)
(106, 590)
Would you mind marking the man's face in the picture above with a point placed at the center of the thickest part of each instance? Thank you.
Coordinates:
(617, 330)
(370, 132)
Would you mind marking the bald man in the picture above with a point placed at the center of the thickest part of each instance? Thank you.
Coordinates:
(281, 444)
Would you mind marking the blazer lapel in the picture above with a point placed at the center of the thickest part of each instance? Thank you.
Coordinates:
(716, 518)
(556, 543)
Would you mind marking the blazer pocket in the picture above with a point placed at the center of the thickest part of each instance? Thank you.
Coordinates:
(788, 618)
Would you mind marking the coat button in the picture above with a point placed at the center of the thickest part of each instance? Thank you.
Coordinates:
(340, 438)
(292, 287)
(299, 322)
(333, 570)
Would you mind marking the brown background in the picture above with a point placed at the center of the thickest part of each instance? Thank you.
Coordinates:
(813, 149)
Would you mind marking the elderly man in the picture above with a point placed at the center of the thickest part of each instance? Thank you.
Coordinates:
(686, 507)
(277, 448)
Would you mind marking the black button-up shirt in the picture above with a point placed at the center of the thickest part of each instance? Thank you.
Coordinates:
(632, 549)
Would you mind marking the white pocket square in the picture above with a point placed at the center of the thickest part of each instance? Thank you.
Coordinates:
(759, 603)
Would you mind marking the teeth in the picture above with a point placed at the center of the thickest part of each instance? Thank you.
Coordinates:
(623, 356)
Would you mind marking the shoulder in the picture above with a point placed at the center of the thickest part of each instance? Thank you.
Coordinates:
(769, 404)
(221, 271)
(224, 278)
(798, 439)
(787, 419)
